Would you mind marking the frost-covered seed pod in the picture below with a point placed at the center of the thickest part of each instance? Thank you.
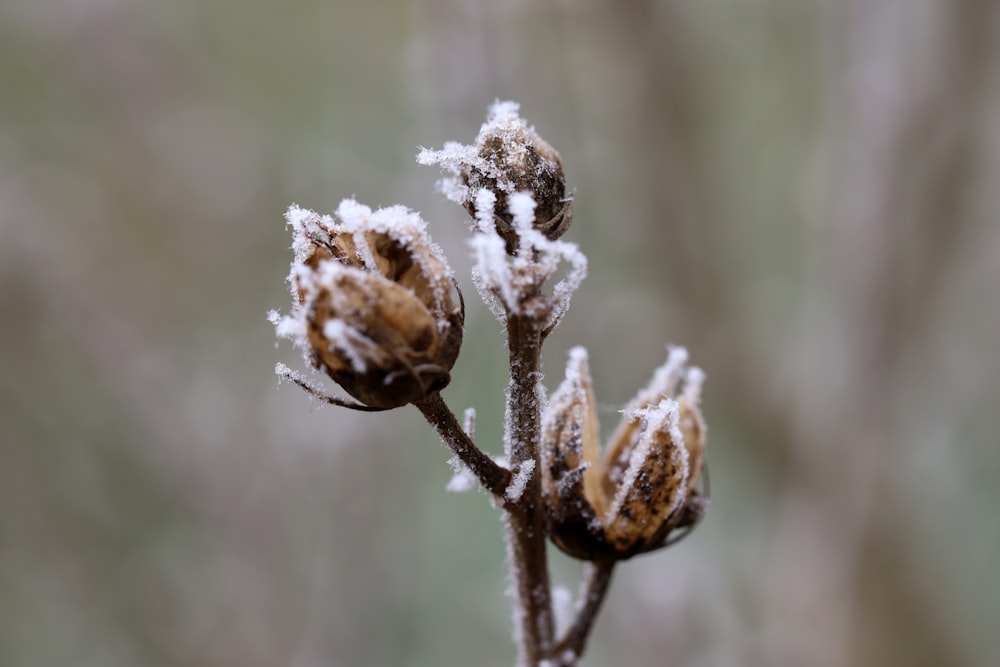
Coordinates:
(630, 500)
(515, 159)
(374, 303)
(508, 157)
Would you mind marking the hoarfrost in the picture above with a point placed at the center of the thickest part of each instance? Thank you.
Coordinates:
(462, 479)
(486, 203)
(508, 285)
(665, 378)
(469, 422)
(562, 293)
(352, 343)
(353, 214)
(693, 381)
(516, 281)
(517, 485)
(502, 120)
(286, 326)
(563, 609)
(285, 373)
(521, 206)
(492, 272)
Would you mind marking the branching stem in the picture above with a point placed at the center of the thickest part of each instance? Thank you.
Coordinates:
(493, 477)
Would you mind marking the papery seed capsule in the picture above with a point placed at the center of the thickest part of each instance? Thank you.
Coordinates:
(642, 490)
(374, 298)
(507, 157)
(515, 159)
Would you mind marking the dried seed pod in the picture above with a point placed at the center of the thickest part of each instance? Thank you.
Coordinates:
(507, 157)
(373, 303)
(643, 489)
(512, 158)
(570, 446)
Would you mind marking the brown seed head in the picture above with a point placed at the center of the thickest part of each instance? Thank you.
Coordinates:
(643, 489)
(374, 299)
(507, 157)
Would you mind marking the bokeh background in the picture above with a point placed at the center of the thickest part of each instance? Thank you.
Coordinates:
(803, 193)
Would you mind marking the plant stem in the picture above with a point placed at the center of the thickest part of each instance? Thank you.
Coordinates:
(595, 588)
(525, 529)
(493, 477)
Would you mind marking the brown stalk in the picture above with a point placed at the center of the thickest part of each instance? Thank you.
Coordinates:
(526, 534)
(573, 643)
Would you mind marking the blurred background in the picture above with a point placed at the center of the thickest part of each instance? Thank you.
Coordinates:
(803, 193)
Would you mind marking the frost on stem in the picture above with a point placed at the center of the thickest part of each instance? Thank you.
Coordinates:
(507, 157)
(372, 303)
(520, 480)
(628, 500)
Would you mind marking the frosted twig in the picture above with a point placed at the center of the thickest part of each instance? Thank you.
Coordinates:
(493, 477)
(317, 392)
(592, 594)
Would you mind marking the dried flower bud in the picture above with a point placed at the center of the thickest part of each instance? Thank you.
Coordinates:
(642, 490)
(508, 157)
(373, 303)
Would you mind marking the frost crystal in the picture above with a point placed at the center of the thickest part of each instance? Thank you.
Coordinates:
(520, 480)
(514, 136)
(462, 479)
(469, 422)
(563, 608)
(516, 280)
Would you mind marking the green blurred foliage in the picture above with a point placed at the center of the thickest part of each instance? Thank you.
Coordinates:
(800, 192)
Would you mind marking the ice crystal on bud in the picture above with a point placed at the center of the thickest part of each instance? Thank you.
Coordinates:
(507, 157)
(373, 303)
(513, 283)
(630, 499)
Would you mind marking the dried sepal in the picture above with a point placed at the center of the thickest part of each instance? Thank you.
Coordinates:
(643, 488)
(373, 303)
(653, 485)
(570, 448)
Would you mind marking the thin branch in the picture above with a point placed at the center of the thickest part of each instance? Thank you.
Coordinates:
(525, 527)
(571, 646)
(493, 477)
(317, 392)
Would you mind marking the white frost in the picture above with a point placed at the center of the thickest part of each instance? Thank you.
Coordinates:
(469, 422)
(516, 487)
(486, 203)
(664, 380)
(508, 284)
(521, 206)
(352, 343)
(693, 381)
(462, 479)
(563, 608)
